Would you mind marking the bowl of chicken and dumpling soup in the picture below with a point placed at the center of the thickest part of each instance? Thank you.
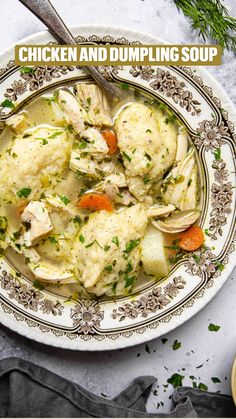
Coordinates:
(95, 197)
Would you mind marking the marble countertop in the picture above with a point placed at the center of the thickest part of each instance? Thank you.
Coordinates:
(203, 354)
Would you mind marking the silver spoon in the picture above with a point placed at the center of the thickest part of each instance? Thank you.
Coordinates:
(45, 11)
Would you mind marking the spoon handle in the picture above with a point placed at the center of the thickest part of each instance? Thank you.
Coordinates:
(44, 10)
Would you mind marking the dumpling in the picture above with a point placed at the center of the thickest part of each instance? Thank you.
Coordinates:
(107, 250)
(34, 163)
(147, 144)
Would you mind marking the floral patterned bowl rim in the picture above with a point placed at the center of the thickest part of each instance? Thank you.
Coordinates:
(155, 309)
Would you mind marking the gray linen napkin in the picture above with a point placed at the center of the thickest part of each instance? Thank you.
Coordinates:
(27, 390)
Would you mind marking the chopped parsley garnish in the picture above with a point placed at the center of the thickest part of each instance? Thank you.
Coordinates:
(16, 234)
(206, 231)
(217, 154)
(106, 248)
(115, 240)
(126, 156)
(83, 144)
(52, 239)
(114, 286)
(176, 345)
(170, 118)
(196, 257)
(215, 380)
(213, 327)
(7, 103)
(64, 199)
(137, 94)
(124, 86)
(131, 245)
(148, 156)
(24, 192)
(37, 284)
(202, 386)
(77, 220)
(90, 244)
(129, 267)
(81, 238)
(108, 268)
(172, 247)
(220, 265)
(146, 179)
(44, 141)
(27, 70)
(129, 280)
(79, 174)
(176, 380)
(148, 131)
(54, 135)
(3, 224)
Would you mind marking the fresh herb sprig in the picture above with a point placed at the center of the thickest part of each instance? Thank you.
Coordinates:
(212, 20)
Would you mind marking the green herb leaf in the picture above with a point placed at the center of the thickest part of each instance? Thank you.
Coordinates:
(124, 154)
(220, 265)
(213, 327)
(54, 135)
(131, 245)
(129, 280)
(7, 103)
(211, 19)
(217, 154)
(64, 199)
(176, 345)
(176, 380)
(24, 192)
(53, 239)
(81, 238)
(37, 284)
(115, 240)
(77, 220)
(146, 179)
(148, 156)
(90, 244)
(106, 248)
(3, 224)
(108, 268)
(114, 286)
(83, 144)
(124, 86)
(202, 386)
(27, 70)
(215, 380)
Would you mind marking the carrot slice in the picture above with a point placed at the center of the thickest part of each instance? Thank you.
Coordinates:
(111, 140)
(96, 202)
(192, 238)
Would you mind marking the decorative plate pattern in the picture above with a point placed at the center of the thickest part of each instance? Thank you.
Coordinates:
(156, 308)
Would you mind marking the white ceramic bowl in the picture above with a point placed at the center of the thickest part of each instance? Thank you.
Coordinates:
(156, 308)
